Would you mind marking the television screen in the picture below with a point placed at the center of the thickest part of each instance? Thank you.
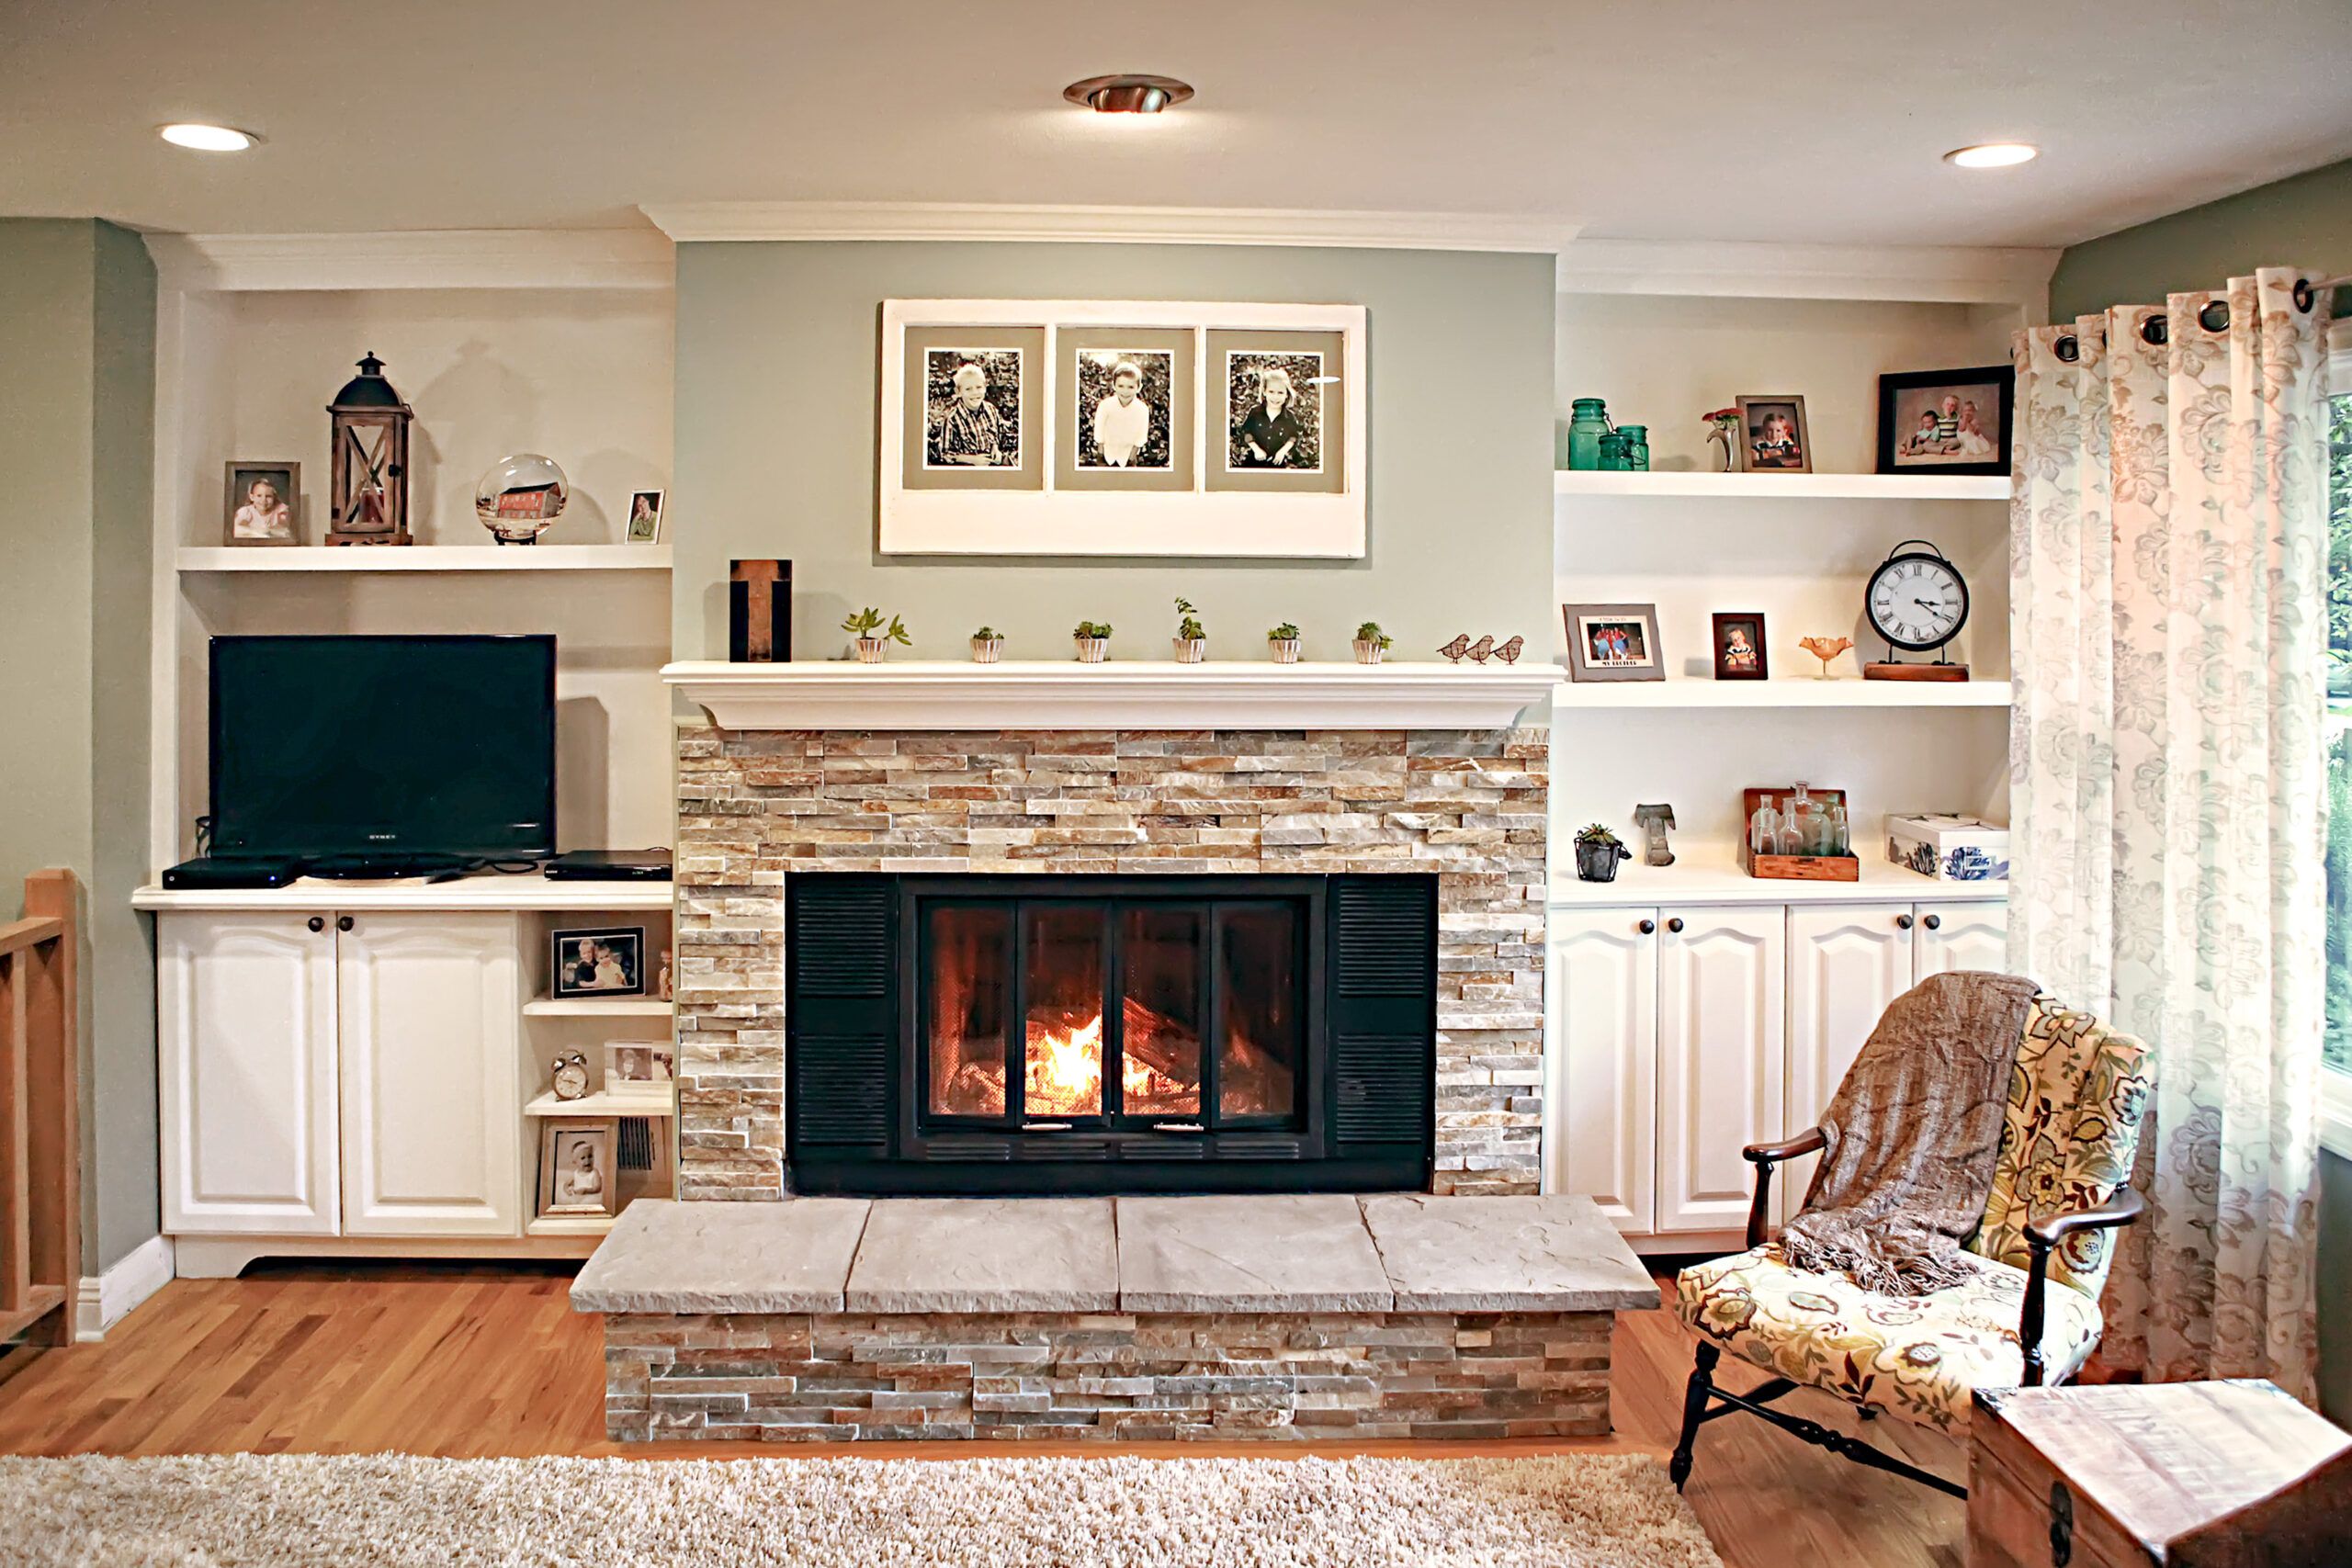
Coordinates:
(384, 746)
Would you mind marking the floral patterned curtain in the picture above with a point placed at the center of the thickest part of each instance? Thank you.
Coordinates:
(2168, 562)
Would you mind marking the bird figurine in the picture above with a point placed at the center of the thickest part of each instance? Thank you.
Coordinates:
(1454, 649)
(1826, 648)
(1479, 650)
(1508, 652)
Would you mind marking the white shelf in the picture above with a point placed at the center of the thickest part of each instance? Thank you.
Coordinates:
(1686, 484)
(570, 1224)
(524, 891)
(1709, 873)
(1788, 691)
(598, 1006)
(603, 1104)
(425, 557)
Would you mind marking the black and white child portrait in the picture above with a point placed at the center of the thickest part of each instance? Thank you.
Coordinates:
(579, 1171)
(1123, 397)
(1614, 643)
(972, 408)
(600, 963)
(1274, 410)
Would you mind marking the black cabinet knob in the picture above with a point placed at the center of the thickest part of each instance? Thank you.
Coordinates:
(1674, 924)
(1646, 927)
(317, 923)
(1903, 923)
(1933, 922)
(342, 922)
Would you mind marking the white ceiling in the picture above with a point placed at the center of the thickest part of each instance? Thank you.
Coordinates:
(1815, 120)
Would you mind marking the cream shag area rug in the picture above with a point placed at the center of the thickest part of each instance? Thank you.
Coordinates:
(392, 1511)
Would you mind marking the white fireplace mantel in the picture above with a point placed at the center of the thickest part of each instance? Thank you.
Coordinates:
(1119, 694)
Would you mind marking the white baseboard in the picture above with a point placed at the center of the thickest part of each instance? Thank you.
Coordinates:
(109, 1298)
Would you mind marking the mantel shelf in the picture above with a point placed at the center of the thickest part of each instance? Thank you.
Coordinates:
(1687, 484)
(424, 558)
(1118, 694)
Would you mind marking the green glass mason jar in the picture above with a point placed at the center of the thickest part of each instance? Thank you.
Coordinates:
(1636, 438)
(1588, 423)
(1612, 452)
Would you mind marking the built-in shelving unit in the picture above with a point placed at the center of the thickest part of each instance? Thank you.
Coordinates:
(1686, 484)
(603, 1104)
(1705, 872)
(425, 557)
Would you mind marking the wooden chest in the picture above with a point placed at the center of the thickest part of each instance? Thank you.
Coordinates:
(2120, 1476)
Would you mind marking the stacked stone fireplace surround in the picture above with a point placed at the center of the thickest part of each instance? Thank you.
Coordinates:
(1526, 1355)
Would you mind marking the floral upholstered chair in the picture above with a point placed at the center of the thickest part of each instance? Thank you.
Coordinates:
(2029, 1315)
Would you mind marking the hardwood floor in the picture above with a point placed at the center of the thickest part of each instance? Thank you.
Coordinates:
(489, 1359)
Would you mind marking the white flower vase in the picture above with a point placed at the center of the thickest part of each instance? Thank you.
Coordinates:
(1191, 650)
(1368, 651)
(1284, 649)
(1090, 650)
(870, 650)
(987, 650)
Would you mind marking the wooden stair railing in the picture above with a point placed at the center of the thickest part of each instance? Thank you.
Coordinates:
(40, 1161)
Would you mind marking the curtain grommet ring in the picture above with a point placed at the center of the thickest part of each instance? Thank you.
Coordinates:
(2215, 316)
(2068, 348)
(2304, 295)
(2154, 331)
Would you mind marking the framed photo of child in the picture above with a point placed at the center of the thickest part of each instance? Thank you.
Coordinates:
(972, 408)
(1774, 439)
(609, 961)
(1284, 411)
(1947, 421)
(1739, 647)
(579, 1167)
(1614, 642)
(645, 517)
(1124, 406)
(263, 504)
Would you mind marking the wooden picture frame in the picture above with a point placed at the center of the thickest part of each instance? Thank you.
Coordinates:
(560, 1139)
(1919, 434)
(1749, 660)
(1755, 411)
(238, 477)
(610, 959)
(1614, 642)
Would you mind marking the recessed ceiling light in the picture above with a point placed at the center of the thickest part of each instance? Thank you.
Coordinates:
(1128, 93)
(1993, 154)
(208, 137)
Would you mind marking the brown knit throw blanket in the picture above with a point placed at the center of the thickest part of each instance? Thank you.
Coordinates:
(1913, 1134)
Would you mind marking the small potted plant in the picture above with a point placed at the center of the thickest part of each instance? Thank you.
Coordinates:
(1093, 639)
(1371, 643)
(1598, 852)
(1283, 643)
(988, 645)
(1192, 642)
(874, 639)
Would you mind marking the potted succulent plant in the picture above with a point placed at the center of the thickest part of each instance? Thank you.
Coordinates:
(1283, 643)
(1093, 639)
(1598, 852)
(1371, 643)
(988, 645)
(874, 639)
(1192, 642)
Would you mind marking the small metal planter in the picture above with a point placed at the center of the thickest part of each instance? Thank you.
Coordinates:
(987, 650)
(870, 650)
(1191, 650)
(1368, 651)
(1284, 649)
(1090, 650)
(1598, 861)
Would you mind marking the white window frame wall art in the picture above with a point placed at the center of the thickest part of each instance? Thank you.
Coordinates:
(1201, 502)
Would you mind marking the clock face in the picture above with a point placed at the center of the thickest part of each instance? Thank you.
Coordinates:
(1918, 601)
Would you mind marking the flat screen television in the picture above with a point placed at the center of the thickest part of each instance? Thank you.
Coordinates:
(384, 750)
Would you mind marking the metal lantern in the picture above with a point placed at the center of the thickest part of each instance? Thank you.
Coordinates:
(368, 493)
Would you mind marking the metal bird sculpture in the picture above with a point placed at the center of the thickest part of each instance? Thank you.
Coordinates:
(1479, 650)
(1454, 649)
(1508, 652)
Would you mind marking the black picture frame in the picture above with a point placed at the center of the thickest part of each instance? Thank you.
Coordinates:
(1896, 423)
(629, 945)
(1760, 669)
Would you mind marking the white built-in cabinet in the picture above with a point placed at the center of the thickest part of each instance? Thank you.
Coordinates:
(329, 1074)
(1682, 1034)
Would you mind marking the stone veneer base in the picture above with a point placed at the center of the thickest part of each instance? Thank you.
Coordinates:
(1106, 1377)
(754, 807)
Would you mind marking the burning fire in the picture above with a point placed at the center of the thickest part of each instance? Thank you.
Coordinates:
(1063, 1074)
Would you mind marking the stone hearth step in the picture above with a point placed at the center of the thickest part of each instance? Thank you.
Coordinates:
(1103, 1319)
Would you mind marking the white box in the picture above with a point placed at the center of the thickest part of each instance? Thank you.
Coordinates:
(1948, 848)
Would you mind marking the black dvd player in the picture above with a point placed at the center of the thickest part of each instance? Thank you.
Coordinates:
(209, 872)
(609, 865)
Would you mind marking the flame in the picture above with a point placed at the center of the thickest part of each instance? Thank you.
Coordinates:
(1064, 1076)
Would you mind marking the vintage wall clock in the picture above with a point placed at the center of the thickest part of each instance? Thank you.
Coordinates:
(1917, 601)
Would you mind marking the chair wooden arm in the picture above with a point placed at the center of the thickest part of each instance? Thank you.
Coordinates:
(1764, 1157)
(2041, 1238)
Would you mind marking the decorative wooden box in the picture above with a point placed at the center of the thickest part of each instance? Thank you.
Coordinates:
(1793, 868)
(2191, 1475)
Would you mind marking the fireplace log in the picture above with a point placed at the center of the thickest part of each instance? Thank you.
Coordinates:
(1160, 1043)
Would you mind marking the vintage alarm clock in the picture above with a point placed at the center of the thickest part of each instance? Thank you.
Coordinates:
(571, 1076)
(1917, 601)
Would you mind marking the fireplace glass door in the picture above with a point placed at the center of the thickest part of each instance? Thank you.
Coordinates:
(1143, 1014)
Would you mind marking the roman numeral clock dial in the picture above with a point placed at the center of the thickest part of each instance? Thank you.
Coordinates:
(1917, 601)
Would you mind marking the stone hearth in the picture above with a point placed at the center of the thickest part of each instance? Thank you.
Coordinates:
(755, 805)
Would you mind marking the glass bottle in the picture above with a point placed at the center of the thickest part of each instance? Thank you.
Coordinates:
(1636, 438)
(1841, 838)
(1764, 829)
(1588, 422)
(1796, 823)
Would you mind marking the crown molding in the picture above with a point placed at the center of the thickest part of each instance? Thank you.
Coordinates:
(1960, 274)
(455, 258)
(936, 221)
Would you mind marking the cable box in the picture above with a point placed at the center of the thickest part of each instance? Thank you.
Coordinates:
(209, 872)
(609, 865)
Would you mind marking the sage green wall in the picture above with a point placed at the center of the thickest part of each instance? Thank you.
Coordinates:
(77, 378)
(2305, 221)
(777, 374)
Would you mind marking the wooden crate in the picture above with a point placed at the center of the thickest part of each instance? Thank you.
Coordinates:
(1793, 868)
(2208, 1474)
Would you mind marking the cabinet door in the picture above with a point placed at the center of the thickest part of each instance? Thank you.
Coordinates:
(1722, 1006)
(1960, 936)
(1602, 1093)
(244, 1015)
(1845, 965)
(428, 1008)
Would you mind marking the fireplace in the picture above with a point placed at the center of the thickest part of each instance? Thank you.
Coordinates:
(1110, 1033)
